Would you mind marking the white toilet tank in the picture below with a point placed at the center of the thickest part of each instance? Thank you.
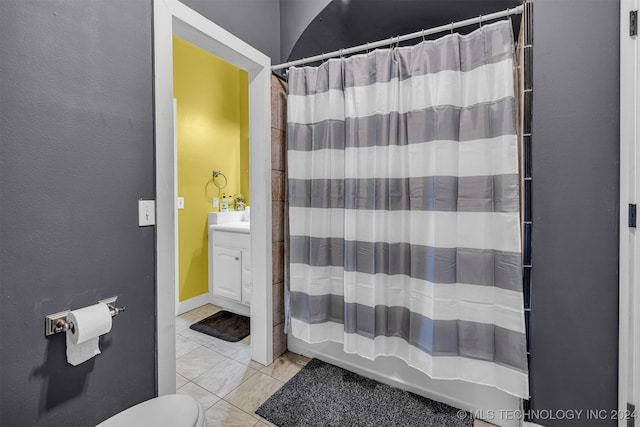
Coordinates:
(173, 410)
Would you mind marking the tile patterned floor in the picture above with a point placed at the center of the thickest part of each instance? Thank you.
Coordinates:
(221, 375)
(223, 378)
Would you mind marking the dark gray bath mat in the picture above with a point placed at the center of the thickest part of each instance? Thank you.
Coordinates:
(325, 395)
(224, 325)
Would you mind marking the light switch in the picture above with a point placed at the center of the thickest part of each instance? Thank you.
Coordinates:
(146, 212)
(180, 203)
(215, 202)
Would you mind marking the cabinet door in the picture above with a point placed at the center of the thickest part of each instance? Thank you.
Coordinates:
(227, 273)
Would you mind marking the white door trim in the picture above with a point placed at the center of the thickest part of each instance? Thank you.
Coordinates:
(629, 282)
(172, 17)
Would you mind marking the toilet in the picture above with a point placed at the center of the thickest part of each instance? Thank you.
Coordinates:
(175, 410)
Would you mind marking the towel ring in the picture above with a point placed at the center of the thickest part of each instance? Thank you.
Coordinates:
(216, 174)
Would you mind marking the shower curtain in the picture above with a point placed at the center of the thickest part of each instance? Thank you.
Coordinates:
(404, 207)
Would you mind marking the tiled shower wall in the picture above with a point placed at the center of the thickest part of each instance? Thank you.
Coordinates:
(278, 197)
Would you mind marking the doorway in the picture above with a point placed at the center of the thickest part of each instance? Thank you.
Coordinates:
(173, 18)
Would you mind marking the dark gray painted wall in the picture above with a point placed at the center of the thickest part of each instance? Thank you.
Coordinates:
(76, 153)
(256, 22)
(574, 320)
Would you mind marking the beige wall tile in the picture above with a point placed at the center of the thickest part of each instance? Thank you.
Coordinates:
(278, 103)
(277, 150)
(277, 221)
(278, 303)
(277, 262)
(277, 186)
(278, 159)
(279, 340)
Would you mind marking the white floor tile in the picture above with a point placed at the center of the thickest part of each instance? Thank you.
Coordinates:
(225, 347)
(199, 337)
(205, 398)
(224, 377)
(197, 362)
(184, 345)
(224, 414)
(180, 381)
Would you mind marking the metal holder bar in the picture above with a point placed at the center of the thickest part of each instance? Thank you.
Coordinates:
(57, 322)
(447, 27)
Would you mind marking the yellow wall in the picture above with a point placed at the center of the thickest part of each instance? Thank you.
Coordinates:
(212, 129)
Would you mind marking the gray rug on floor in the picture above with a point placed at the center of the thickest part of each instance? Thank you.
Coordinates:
(325, 395)
(224, 325)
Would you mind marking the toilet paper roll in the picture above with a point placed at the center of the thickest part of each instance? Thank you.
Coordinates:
(88, 324)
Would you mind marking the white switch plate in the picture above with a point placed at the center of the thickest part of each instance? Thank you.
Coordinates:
(146, 212)
(215, 202)
(180, 203)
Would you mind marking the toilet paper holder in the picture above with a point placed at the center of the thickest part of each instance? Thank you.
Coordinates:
(57, 322)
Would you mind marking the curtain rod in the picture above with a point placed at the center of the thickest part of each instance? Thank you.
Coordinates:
(398, 39)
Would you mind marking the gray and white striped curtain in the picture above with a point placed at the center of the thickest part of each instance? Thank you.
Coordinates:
(404, 207)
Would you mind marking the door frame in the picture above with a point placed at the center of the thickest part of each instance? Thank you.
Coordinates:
(629, 268)
(172, 17)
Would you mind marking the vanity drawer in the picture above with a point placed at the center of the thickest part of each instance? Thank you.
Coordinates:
(231, 239)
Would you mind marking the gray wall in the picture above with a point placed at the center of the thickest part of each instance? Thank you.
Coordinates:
(257, 22)
(574, 320)
(76, 153)
(76, 132)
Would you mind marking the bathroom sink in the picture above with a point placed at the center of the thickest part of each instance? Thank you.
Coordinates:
(236, 227)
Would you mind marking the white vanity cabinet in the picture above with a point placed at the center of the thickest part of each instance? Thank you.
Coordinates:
(230, 266)
(227, 272)
(247, 284)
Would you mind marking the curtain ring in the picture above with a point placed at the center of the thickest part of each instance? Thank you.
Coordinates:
(423, 34)
(480, 21)
(452, 28)
(367, 48)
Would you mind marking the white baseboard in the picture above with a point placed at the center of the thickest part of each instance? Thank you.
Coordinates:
(230, 305)
(191, 303)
